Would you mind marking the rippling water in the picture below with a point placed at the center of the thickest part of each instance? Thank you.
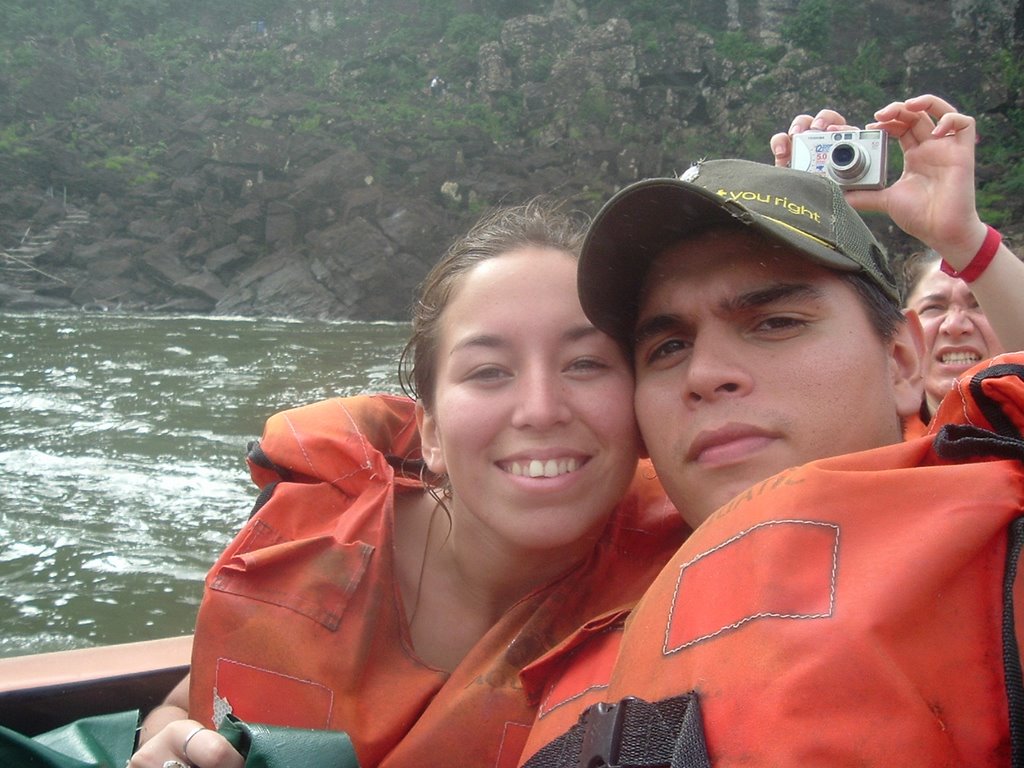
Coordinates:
(122, 472)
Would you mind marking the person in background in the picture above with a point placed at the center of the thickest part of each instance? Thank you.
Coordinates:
(966, 317)
(407, 559)
(837, 578)
(957, 332)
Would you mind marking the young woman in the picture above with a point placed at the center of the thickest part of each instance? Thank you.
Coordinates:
(407, 560)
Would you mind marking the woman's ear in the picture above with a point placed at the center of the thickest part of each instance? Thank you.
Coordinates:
(430, 440)
(907, 352)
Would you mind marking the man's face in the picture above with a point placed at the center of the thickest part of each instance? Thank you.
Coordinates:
(751, 359)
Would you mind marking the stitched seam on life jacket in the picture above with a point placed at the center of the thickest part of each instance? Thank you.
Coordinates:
(543, 709)
(330, 692)
(299, 443)
(233, 582)
(504, 736)
(354, 427)
(666, 646)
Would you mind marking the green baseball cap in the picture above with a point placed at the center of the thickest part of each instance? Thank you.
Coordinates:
(801, 210)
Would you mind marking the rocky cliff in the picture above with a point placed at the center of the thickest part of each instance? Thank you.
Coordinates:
(304, 165)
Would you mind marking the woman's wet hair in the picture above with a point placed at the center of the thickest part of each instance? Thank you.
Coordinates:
(541, 223)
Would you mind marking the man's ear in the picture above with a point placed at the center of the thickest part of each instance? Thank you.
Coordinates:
(430, 442)
(906, 352)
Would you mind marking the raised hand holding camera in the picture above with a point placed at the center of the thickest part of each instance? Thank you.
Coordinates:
(933, 200)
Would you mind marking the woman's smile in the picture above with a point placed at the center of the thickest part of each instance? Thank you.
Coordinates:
(541, 467)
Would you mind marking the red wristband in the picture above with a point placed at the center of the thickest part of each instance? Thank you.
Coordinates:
(981, 259)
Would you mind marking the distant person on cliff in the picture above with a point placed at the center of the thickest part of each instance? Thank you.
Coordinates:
(967, 316)
(407, 559)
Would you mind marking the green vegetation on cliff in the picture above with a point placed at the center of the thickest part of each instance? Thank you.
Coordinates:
(221, 119)
(372, 62)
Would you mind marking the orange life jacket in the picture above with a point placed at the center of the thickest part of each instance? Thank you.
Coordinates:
(301, 623)
(914, 426)
(856, 611)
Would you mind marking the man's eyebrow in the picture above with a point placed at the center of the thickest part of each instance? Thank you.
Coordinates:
(771, 294)
(653, 326)
(761, 297)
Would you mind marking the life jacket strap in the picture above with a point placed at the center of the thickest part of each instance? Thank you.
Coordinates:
(1014, 676)
(631, 733)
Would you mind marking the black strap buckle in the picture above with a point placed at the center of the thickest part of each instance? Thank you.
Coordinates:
(602, 732)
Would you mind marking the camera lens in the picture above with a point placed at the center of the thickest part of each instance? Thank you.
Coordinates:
(847, 162)
(843, 155)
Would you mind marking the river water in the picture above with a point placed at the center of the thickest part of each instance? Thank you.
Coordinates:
(122, 445)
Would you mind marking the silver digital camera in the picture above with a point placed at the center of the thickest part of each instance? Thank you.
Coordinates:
(853, 159)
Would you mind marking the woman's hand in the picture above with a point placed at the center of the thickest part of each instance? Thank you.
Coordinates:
(204, 749)
(934, 198)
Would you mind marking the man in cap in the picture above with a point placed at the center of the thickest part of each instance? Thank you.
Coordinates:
(797, 623)
(765, 324)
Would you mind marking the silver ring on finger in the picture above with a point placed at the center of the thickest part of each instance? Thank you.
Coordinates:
(184, 747)
(175, 764)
